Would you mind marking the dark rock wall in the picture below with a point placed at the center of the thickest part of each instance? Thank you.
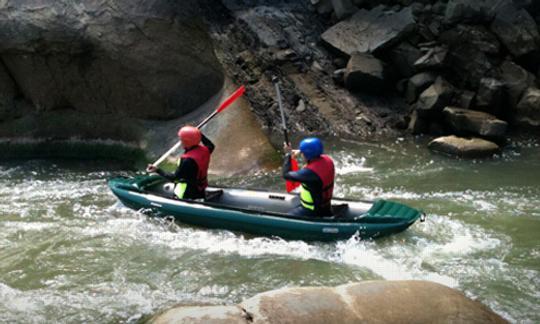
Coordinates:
(141, 59)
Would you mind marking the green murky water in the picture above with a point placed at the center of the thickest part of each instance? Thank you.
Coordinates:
(70, 253)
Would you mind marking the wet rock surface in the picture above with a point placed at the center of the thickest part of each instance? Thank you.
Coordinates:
(466, 122)
(109, 57)
(255, 41)
(464, 147)
(370, 31)
(365, 302)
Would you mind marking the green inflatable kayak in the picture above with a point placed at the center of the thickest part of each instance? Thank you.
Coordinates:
(265, 213)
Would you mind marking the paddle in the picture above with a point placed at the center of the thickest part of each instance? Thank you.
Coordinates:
(289, 185)
(221, 108)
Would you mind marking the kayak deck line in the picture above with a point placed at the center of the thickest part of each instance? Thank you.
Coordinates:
(264, 212)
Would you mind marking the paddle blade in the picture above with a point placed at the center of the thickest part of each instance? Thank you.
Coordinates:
(240, 91)
(291, 185)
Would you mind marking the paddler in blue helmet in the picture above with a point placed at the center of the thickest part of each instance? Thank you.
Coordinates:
(316, 178)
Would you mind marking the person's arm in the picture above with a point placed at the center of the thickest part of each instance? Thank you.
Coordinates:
(303, 175)
(185, 170)
(208, 143)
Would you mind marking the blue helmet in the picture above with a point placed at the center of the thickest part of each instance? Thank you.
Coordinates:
(311, 147)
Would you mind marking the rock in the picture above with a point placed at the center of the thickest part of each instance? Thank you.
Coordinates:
(439, 8)
(370, 31)
(464, 99)
(338, 76)
(528, 110)
(339, 62)
(364, 73)
(435, 97)
(324, 7)
(365, 302)
(403, 57)
(475, 11)
(490, 95)
(202, 314)
(7, 93)
(286, 55)
(469, 64)
(433, 59)
(417, 84)
(476, 36)
(110, 56)
(343, 8)
(417, 124)
(517, 30)
(466, 122)
(516, 81)
(464, 147)
(301, 106)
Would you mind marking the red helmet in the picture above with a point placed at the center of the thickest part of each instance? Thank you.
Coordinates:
(189, 135)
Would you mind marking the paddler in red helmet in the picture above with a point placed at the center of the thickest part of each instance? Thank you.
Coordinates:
(191, 173)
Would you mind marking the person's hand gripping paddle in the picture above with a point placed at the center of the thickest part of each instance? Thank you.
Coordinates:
(290, 185)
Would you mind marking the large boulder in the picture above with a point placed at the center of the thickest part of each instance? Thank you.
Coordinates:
(365, 302)
(517, 30)
(433, 59)
(435, 97)
(466, 122)
(470, 65)
(528, 110)
(365, 73)
(475, 11)
(7, 93)
(202, 314)
(490, 95)
(343, 8)
(148, 59)
(516, 80)
(417, 84)
(477, 36)
(370, 31)
(403, 57)
(464, 147)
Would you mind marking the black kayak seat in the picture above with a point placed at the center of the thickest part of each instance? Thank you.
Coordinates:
(340, 211)
(213, 195)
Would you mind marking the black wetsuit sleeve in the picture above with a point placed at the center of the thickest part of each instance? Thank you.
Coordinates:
(208, 143)
(303, 175)
(187, 171)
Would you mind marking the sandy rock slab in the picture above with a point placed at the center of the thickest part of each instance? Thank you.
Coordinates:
(365, 302)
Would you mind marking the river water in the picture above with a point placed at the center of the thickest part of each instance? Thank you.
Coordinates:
(69, 252)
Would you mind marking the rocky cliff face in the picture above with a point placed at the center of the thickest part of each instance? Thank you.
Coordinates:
(347, 67)
(104, 61)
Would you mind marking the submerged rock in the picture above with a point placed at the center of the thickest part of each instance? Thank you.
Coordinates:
(464, 147)
(365, 302)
